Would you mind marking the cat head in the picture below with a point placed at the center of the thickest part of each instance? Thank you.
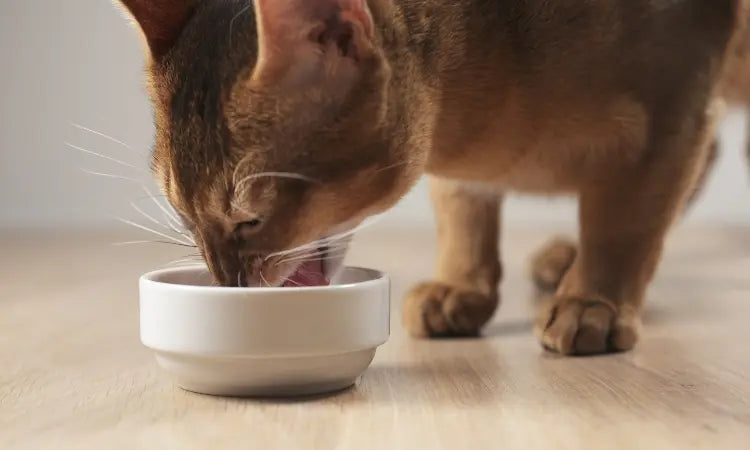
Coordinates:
(273, 130)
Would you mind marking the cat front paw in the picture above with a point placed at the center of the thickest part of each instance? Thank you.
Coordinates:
(435, 309)
(579, 326)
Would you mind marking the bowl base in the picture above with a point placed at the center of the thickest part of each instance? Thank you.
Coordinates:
(265, 377)
(305, 390)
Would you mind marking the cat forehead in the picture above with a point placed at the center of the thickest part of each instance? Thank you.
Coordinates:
(192, 84)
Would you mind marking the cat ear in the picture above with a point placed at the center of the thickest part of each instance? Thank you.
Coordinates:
(161, 21)
(298, 39)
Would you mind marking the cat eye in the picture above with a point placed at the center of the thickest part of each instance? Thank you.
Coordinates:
(254, 223)
(249, 226)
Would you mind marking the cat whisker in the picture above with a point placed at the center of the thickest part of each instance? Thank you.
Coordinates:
(108, 158)
(172, 221)
(331, 240)
(263, 279)
(289, 175)
(328, 241)
(300, 258)
(326, 258)
(150, 197)
(320, 247)
(240, 188)
(322, 259)
(100, 134)
(227, 186)
(158, 233)
(289, 280)
(237, 168)
(109, 175)
(365, 224)
(349, 233)
(318, 257)
(147, 216)
(169, 226)
(237, 16)
(392, 166)
(311, 247)
(122, 244)
(310, 257)
(186, 259)
(185, 236)
(193, 264)
(239, 208)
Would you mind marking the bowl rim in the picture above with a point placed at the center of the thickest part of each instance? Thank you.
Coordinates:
(148, 278)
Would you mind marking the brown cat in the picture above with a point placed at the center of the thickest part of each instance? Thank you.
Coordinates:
(282, 123)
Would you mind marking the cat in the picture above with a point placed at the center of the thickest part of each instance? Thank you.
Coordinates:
(281, 124)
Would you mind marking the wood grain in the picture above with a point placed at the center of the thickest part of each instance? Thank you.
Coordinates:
(73, 374)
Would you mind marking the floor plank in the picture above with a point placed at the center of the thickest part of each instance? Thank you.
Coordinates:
(74, 374)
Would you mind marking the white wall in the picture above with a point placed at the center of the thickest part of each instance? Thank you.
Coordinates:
(78, 61)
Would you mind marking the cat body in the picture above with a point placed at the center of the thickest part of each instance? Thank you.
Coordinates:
(282, 123)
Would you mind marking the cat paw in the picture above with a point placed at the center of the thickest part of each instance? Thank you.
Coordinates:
(438, 310)
(550, 264)
(577, 326)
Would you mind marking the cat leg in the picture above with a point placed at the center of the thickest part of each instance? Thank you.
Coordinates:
(550, 264)
(464, 295)
(624, 220)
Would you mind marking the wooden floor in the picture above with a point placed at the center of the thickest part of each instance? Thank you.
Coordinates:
(74, 375)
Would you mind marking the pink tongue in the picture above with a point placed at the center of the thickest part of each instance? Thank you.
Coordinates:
(309, 274)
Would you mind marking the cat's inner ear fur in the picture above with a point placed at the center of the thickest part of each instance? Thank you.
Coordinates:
(301, 40)
(161, 21)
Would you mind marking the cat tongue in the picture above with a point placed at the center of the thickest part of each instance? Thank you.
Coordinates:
(308, 274)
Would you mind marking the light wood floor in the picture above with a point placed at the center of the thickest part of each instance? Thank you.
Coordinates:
(73, 374)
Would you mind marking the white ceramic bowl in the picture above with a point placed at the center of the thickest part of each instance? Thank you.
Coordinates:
(264, 342)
